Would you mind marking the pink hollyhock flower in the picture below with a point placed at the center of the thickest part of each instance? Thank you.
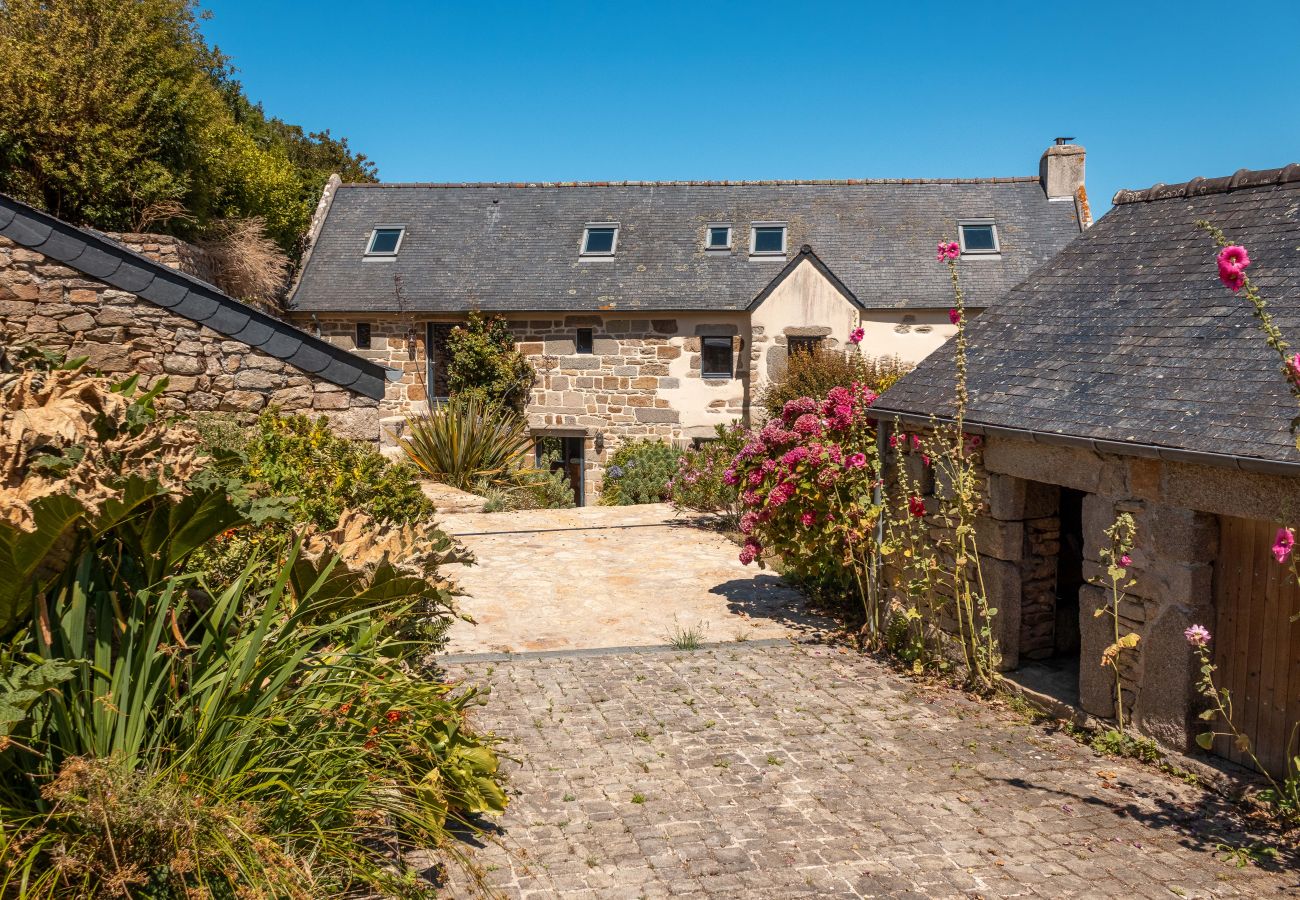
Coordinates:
(948, 250)
(1293, 369)
(1197, 636)
(856, 336)
(1126, 560)
(1234, 257)
(806, 519)
(916, 506)
(1283, 544)
(856, 461)
(893, 440)
(1233, 279)
(954, 315)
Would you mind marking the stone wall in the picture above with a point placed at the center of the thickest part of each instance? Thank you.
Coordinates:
(1176, 507)
(60, 309)
(641, 380)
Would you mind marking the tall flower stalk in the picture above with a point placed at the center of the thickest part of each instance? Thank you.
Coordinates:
(1121, 534)
(1233, 260)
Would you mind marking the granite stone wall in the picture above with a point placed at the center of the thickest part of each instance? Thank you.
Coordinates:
(642, 379)
(120, 334)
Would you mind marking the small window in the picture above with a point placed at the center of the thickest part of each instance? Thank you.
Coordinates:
(767, 240)
(599, 240)
(719, 238)
(805, 345)
(363, 335)
(384, 241)
(583, 341)
(716, 357)
(978, 237)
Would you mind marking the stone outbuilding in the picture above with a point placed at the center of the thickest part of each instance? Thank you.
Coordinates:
(136, 309)
(1123, 377)
(663, 309)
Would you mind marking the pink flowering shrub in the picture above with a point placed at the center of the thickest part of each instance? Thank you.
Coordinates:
(705, 481)
(807, 479)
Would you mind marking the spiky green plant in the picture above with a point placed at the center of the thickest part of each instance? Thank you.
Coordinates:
(468, 441)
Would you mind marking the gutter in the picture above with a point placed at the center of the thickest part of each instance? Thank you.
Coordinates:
(1117, 448)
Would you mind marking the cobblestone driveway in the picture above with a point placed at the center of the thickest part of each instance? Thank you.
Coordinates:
(774, 770)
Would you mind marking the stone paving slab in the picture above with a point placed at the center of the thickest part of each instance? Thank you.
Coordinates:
(607, 576)
(805, 771)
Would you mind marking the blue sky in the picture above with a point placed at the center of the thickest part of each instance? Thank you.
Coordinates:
(610, 91)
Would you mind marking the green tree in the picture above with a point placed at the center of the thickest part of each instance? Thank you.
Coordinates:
(119, 115)
(482, 362)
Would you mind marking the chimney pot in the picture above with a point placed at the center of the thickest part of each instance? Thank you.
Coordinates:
(1061, 170)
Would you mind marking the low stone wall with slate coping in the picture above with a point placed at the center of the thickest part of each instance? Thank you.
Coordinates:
(61, 309)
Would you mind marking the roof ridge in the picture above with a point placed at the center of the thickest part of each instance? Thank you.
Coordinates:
(1017, 179)
(1198, 186)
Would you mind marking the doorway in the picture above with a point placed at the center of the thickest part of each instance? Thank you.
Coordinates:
(566, 454)
(1051, 582)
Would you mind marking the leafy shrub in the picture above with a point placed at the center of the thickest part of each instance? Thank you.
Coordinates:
(483, 364)
(639, 472)
(270, 737)
(470, 443)
(540, 488)
(700, 482)
(303, 458)
(814, 374)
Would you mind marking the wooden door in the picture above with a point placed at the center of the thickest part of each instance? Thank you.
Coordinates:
(1256, 647)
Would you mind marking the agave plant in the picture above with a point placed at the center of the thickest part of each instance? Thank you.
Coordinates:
(469, 441)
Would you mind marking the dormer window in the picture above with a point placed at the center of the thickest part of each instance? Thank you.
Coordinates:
(385, 240)
(718, 237)
(767, 239)
(600, 239)
(978, 237)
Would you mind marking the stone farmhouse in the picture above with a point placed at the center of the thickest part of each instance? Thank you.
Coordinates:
(136, 304)
(1123, 377)
(663, 309)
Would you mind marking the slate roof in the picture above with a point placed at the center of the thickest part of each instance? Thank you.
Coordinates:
(103, 259)
(1128, 338)
(515, 246)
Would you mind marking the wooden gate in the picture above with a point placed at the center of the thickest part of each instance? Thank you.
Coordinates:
(1256, 647)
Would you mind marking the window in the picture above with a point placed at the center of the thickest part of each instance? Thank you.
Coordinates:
(363, 335)
(719, 238)
(805, 345)
(715, 357)
(584, 340)
(978, 237)
(767, 240)
(600, 240)
(385, 240)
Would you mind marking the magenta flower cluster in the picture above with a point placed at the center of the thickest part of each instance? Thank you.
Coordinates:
(1232, 267)
(948, 250)
(1284, 545)
(800, 471)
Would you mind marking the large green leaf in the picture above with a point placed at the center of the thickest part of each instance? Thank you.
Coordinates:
(23, 553)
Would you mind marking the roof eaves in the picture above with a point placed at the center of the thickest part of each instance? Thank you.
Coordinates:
(761, 183)
(1121, 448)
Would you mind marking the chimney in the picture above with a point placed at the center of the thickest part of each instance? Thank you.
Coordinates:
(1061, 170)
